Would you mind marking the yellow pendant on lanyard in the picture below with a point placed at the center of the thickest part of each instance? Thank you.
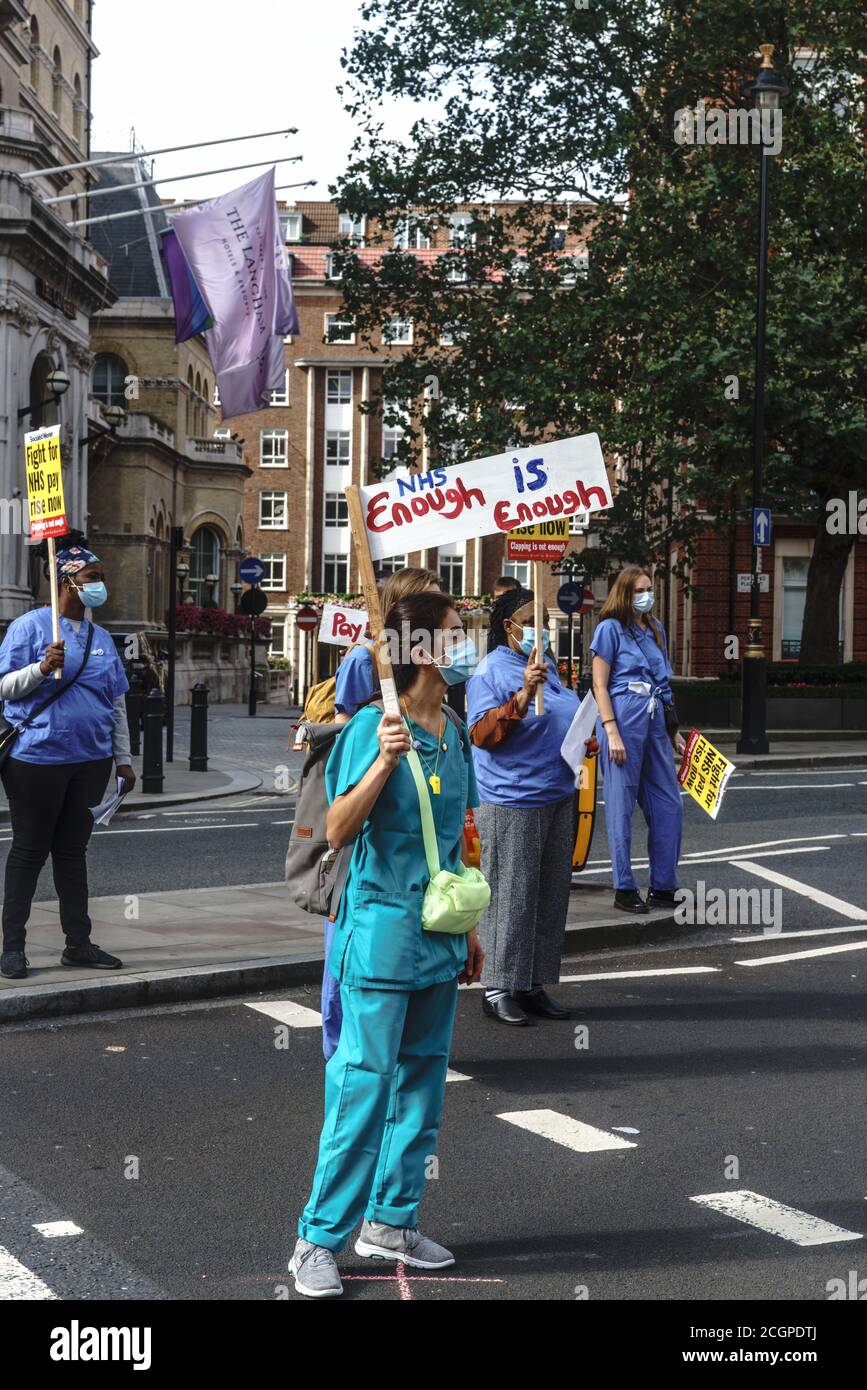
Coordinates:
(434, 784)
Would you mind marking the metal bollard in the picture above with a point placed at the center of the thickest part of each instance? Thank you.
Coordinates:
(152, 762)
(134, 709)
(199, 728)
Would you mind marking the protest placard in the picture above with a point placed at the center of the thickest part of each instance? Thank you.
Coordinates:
(341, 626)
(545, 542)
(485, 496)
(45, 504)
(704, 772)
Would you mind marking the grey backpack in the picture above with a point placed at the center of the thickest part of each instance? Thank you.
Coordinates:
(316, 873)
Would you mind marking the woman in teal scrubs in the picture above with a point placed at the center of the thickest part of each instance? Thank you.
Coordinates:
(385, 1083)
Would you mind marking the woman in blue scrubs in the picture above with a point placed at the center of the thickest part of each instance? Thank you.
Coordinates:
(384, 1085)
(636, 731)
(61, 761)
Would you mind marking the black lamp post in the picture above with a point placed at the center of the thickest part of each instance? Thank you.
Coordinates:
(767, 91)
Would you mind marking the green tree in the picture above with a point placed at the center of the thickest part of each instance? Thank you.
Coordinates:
(570, 110)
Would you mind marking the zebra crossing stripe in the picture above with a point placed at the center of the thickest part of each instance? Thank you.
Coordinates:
(765, 1214)
(19, 1282)
(565, 1130)
(295, 1015)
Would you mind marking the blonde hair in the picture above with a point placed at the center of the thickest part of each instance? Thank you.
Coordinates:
(405, 582)
(619, 601)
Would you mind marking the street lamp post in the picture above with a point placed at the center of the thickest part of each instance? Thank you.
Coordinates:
(178, 568)
(767, 91)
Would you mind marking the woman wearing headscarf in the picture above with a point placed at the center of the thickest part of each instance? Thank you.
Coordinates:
(526, 819)
(637, 731)
(62, 757)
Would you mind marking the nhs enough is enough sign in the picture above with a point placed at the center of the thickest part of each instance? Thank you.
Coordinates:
(485, 496)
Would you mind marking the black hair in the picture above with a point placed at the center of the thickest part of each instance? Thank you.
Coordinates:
(507, 604)
(423, 613)
(506, 581)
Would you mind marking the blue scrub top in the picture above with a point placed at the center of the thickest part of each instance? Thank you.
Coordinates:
(378, 938)
(354, 683)
(633, 655)
(526, 769)
(78, 727)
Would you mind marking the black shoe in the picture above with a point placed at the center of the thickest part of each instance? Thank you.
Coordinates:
(89, 954)
(505, 1010)
(13, 964)
(661, 897)
(629, 900)
(536, 1001)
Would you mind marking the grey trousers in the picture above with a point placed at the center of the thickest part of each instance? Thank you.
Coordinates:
(527, 860)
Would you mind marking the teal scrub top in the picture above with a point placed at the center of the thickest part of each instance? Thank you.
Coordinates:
(379, 942)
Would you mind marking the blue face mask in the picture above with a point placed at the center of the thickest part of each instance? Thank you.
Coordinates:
(93, 595)
(642, 603)
(529, 641)
(463, 660)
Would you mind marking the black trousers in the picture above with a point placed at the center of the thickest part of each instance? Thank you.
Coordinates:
(49, 808)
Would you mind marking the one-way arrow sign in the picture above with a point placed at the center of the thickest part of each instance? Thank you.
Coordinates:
(762, 526)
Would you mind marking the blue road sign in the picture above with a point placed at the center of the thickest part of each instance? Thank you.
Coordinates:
(251, 570)
(570, 597)
(763, 525)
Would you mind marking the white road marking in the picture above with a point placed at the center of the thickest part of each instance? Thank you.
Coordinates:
(796, 935)
(799, 1227)
(457, 1076)
(229, 811)
(18, 1282)
(766, 844)
(713, 857)
(794, 787)
(178, 829)
(805, 955)
(296, 1015)
(51, 1229)
(815, 894)
(641, 974)
(563, 1129)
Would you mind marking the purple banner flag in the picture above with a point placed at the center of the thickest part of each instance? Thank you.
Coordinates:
(191, 312)
(229, 244)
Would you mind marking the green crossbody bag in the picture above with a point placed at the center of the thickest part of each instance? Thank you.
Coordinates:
(452, 902)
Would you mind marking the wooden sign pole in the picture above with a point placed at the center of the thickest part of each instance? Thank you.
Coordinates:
(55, 609)
(371, 597)
(538, 623)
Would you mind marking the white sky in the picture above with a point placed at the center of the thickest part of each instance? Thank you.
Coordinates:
(184, 70)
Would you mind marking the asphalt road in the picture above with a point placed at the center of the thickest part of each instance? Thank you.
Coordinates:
(181, 1141)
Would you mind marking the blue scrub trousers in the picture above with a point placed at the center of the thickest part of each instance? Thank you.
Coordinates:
(647, 777)
(384, 1089)
(332, 1012)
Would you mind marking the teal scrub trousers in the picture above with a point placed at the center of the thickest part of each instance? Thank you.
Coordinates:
(384, 1089)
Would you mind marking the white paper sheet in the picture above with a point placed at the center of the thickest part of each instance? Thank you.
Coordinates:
(102, 814)
(573, 749)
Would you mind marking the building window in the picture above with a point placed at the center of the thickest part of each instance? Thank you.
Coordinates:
(520, 570)
(57, 94)
(339, 329)
(459, 229)
(107, 379)
(336, 509)
(572, 266)
(34, 53)
(391, 565)
(274, 448)
(337, 446)
(338, 388)
(272, 511)
(392, 433)
(352, 227)
(275, 572)
(277, 641)
(452, 574)
(282, 397)
(335, 574)
(290, 223)
(77, 114)
(409, 236)
(398, 332)
(204, 576)
(332, 272)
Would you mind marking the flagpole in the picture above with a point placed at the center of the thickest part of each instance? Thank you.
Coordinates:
(161, 207)
(171, 178)
(149, 154)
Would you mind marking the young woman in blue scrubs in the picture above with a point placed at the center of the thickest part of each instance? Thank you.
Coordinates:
(60, 763)
(527, 817)
(355, 684)
(637, 731)
(385, 1083)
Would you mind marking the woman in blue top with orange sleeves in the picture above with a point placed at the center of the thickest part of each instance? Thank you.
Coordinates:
(636, 731)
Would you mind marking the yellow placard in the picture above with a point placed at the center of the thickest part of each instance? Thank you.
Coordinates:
(557, 529)
(44, 473)
(704, 772)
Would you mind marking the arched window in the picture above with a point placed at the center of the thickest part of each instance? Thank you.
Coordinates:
(107, 379)
(205, 566)
(34, 53)
(191, 410)
(77, 113)
(57, 92)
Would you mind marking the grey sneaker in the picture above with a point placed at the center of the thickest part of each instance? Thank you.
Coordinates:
(315, 1271)
(381, 1242)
